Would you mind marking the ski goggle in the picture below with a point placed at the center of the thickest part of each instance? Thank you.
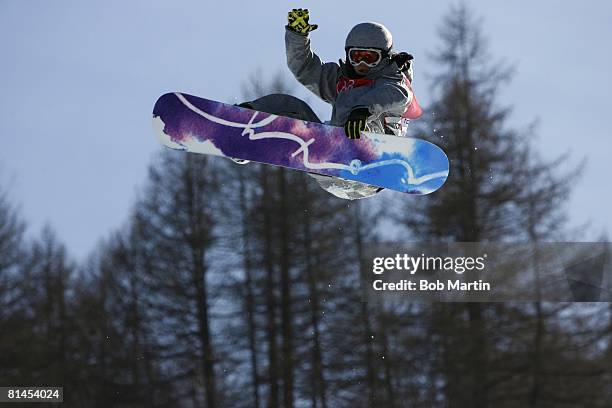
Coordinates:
(369, 56)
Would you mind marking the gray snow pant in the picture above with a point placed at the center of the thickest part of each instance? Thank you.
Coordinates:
(283, 105)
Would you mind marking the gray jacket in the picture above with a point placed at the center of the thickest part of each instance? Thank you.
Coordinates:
(386, 94)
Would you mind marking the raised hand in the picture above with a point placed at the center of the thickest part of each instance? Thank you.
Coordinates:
(298, 22)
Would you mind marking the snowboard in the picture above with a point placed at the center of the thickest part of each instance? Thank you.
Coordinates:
(198, 125)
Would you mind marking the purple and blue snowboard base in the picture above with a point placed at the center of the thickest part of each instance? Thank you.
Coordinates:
(198, 125)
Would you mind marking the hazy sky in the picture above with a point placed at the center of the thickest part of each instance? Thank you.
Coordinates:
(79, 80)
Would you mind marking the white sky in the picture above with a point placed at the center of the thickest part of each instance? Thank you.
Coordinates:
(79, 79)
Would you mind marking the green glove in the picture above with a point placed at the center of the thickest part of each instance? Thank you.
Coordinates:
(298, 22)
(356, 123)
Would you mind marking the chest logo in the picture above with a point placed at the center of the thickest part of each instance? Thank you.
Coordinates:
(345, 83)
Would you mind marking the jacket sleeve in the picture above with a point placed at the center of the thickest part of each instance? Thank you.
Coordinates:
(390, 94)
(306, 66)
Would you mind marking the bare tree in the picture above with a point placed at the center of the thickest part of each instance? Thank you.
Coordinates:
(494, 182)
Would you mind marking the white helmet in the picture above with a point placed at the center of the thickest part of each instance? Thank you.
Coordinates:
(370, 35)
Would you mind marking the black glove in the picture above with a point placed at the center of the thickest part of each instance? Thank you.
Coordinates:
(298, 22)
(403, 60)
(356, 122)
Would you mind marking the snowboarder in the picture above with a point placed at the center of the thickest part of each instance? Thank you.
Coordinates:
(372, 85)
(371, 90)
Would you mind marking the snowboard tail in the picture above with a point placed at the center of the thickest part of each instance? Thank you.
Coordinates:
(198, 125)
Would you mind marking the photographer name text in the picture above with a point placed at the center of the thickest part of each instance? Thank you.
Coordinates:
(411, 265)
